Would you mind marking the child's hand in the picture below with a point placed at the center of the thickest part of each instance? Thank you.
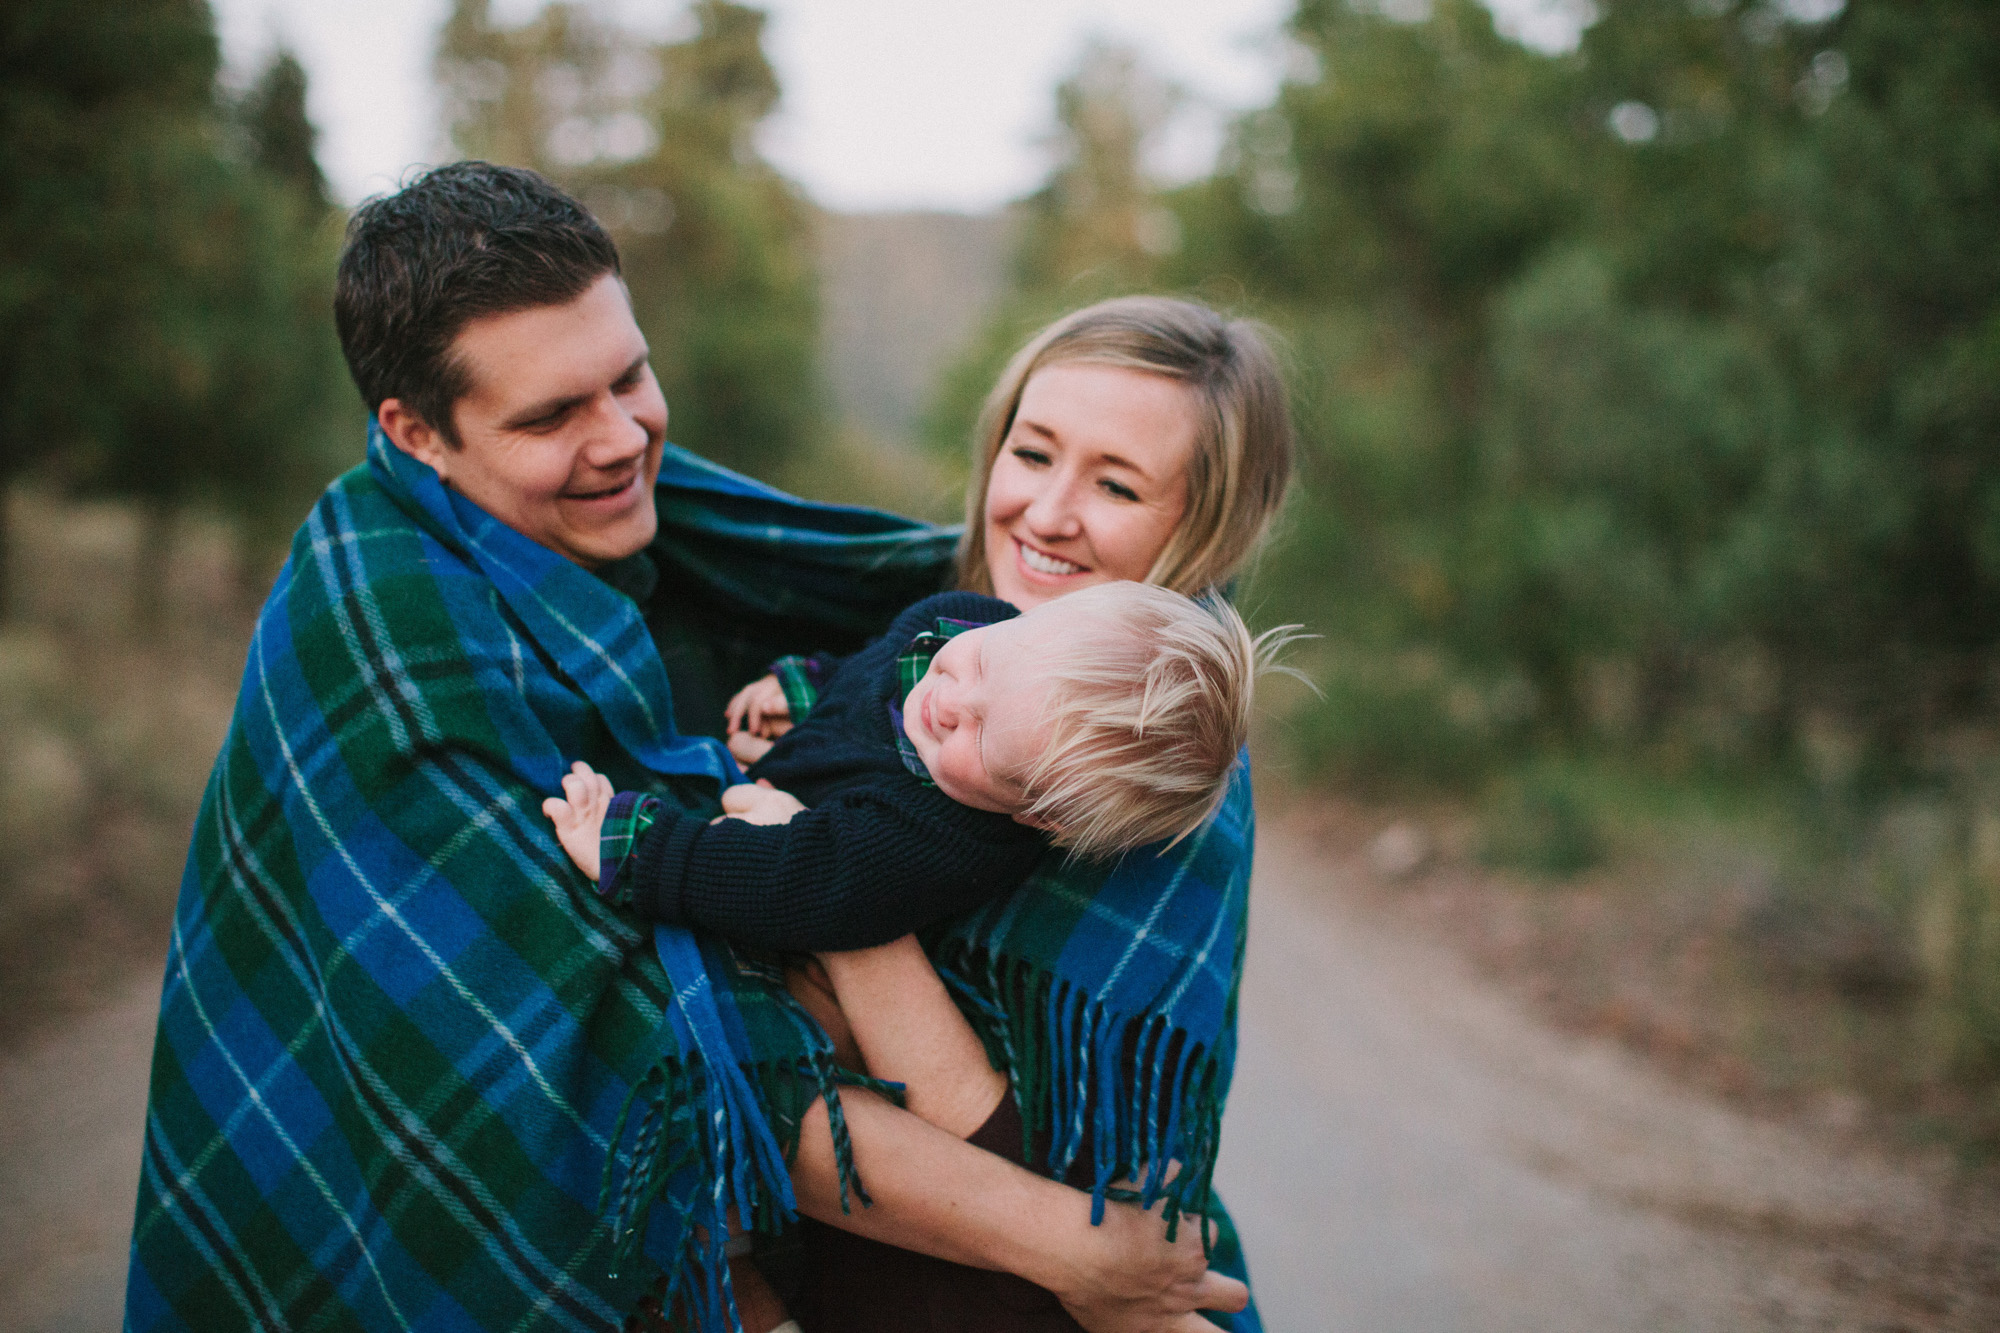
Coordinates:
(579, 820)
(759, 803)
(748, 749)
(759, 709)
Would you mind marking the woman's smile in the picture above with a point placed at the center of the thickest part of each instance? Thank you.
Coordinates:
(1041, 562)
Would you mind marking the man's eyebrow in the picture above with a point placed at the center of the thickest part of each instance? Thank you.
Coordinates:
(555, 407)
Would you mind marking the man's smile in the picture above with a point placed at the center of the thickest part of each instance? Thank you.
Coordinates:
(616, 491)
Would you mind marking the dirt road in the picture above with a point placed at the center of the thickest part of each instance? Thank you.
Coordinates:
(1405, 1150)
(71, 1112)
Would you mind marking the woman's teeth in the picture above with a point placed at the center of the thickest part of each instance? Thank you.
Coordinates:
(1046, 564)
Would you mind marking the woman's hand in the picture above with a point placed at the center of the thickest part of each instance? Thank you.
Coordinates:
(939, 1195)
(1132, 1281)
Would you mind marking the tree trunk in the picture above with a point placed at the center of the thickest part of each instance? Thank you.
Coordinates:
(149, 573)
(6, 553)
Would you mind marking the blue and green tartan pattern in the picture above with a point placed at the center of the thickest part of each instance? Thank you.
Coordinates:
(1107, 991)
(402, 1044)
(798, 677)
(413, 1073)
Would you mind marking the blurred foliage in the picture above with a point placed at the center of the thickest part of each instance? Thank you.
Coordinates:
(657, 138)
(1098, 218)
(1651, 385)
(1647, 392)
(1538, 821)
(1648, 395)
(165, 332)
(1098, 227)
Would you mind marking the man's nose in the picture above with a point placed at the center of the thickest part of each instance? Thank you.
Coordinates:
(616, 436)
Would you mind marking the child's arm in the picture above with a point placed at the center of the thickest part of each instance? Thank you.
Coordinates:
(910, 1032)
(865, 866)
(771, 705)
(578, 813)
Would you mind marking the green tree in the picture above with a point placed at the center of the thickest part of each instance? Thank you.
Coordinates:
(658, 140)
(1669, 359)
(283, 142)
(1098, 223)
(164, 314)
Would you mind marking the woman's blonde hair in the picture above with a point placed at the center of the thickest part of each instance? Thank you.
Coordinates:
(1147, 712)
(1242, 456)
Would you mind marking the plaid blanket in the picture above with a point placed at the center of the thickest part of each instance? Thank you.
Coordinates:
(1106, 992)
(411, 1072)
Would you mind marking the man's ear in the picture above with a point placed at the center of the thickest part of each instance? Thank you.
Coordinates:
(415, 436)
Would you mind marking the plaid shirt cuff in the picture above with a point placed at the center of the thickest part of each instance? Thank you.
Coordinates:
(800, 678)
(631, 814)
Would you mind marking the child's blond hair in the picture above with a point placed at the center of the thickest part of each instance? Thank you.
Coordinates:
(1150, 708)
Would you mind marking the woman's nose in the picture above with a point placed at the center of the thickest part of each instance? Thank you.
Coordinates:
(1053, 512)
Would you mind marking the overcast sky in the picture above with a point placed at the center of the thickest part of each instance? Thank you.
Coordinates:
(887, 103)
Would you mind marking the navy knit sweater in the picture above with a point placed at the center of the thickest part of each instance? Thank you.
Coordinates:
(878, 854)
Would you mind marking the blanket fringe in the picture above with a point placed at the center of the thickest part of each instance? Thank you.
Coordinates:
(1131, 1092)
(735, 1127)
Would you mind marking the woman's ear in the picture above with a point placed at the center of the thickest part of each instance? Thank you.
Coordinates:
(415, 436)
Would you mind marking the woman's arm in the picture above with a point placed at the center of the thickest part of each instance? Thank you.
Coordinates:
(938, 1195)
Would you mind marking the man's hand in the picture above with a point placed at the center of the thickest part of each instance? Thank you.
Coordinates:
(758, 803)
(579, 819)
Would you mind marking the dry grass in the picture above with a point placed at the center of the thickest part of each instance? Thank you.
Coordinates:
(1673, 949)
(1707, 944)
(107, 733)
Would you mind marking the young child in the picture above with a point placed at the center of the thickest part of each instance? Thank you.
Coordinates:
(936, 766)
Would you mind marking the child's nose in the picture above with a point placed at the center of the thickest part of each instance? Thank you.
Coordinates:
(944, 703)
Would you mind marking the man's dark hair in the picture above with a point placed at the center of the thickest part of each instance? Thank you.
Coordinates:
(456, 244)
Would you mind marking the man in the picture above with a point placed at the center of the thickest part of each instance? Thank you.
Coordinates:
(403, 1047)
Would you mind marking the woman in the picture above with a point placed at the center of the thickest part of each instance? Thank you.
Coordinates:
(1141, 438)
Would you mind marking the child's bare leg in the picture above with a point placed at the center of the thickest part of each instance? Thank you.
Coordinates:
(910, 1032)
